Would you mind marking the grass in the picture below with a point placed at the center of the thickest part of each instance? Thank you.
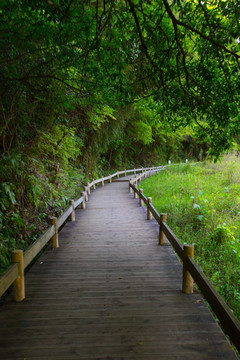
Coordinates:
(202, 201)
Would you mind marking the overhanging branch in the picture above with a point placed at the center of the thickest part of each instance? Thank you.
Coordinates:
(202, 35)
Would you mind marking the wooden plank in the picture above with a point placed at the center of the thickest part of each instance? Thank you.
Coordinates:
(37, 246)
(158, 304)
(116, 339)
(120, 180)
(109, 315)
(8, 277)
(107, 320)
(218, 305)
(64, 216)
(76, 350)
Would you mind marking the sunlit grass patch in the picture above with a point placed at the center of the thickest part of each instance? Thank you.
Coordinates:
(202, 201)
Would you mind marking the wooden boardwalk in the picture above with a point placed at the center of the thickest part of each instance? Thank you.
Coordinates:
(109, 292)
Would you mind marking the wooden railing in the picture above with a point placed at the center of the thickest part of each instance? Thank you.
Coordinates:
(191, 271)
(20, 260)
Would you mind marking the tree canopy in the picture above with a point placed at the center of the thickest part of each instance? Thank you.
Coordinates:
(180, 58)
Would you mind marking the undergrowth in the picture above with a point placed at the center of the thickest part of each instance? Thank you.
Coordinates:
(36, 186)
(202, 201)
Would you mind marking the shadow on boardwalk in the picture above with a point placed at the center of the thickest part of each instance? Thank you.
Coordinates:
(109, 292)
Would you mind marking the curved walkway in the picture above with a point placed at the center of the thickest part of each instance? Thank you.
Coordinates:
(109, 292)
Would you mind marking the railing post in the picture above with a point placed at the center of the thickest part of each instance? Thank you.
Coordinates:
(88, 189)
(134, 171)
(162, 237)
(118, 175)
(135, 194)
(94, 185)
(86, 193)
(83, 203)
(187, 281)
(55, 243)
(149, 214)
(110, 179)
(19, 284)
(145, 174)
(125, 172)
(72, 215)
(136, 179)
(102, 181)
(130, 182)
(140, 199)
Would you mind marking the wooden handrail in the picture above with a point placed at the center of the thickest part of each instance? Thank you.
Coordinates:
(218, 305)
(11, 274)
(176, 244)
(8, 278)
(227, 319)
(64, 217)
(78, 202)
(37, 246)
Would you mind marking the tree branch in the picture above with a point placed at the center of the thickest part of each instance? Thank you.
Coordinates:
(51, 3)
(189, 27)
(152, 62)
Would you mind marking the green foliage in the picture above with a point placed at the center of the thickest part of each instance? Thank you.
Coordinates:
(33, 188)
(203, 210)
(59, 145)
(99, 115)
(181, 58)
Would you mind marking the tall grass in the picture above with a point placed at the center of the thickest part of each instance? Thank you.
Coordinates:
(203, 206)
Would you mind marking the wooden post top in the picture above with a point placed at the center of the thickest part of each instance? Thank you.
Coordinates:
(17, 254)
(163, 217)
(54, 220)
(188, 250)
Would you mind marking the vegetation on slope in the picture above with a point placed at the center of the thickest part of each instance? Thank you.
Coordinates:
(203, 206)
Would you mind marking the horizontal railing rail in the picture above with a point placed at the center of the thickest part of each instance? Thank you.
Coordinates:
(9, 277)
(20, 260)
(191, 271)
(33, 250)
(64, 216)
